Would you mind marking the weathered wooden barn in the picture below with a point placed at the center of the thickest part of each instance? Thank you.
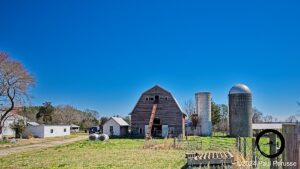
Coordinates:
(169, 118)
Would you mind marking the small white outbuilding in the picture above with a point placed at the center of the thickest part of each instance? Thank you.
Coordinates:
(43, 131)
(115, 126)
(74, 128)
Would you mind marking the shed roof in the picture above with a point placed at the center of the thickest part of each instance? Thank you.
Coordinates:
(259, 126)
(32, 123)
(74, 125)
(120, 121)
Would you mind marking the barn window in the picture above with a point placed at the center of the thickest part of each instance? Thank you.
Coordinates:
(65, 130)
(156, 120)
(51, 130)
(141, 131)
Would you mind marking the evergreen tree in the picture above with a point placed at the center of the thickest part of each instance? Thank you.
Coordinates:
(215, 113)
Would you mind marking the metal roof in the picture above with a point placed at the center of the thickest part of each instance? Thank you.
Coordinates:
(74, 125)
(120, 121)
(240, 89)
(32, 123)
(259, 126)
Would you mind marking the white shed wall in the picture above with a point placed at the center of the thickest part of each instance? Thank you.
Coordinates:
(116, 127)
(57, 131)
(7, 131)
(43, 131)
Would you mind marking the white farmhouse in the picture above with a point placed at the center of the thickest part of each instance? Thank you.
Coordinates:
(43, 131)
(116, 126)
(7, 131)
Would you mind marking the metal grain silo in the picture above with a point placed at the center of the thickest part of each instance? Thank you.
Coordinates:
(240, 111)
(203, 109)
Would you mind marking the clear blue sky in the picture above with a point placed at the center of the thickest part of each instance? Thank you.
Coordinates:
(102, 54)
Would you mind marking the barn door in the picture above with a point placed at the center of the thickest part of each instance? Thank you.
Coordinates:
(146, 130)
(165, 130)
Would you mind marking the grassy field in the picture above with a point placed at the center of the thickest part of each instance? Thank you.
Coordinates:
(116, 153)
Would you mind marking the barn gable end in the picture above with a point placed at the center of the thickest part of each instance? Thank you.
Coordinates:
(169, 116)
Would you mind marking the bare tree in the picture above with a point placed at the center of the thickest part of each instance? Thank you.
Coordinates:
(257, 115)
(189, 108)
(103, 120)
(224, 122)
(94, 113)
(15, 81)
(268, 118)
(292, 119)
(66, 114)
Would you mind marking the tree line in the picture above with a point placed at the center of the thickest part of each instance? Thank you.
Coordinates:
(220, 115)
(62, 114)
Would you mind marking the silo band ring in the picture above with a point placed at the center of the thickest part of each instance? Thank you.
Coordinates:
(279, 136)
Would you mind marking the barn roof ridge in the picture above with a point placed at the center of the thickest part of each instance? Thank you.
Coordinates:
(161, 88)
(156, 86)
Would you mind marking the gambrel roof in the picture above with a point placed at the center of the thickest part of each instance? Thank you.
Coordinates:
(158, 89)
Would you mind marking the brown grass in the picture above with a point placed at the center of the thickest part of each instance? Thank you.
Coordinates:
(165, 144)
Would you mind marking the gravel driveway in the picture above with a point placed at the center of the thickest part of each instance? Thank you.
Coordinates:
(12, 150)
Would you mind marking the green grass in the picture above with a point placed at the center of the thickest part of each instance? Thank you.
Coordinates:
(213, 143)
(116, 153)
(4, 141)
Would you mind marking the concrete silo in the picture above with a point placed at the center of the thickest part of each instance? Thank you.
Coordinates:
(203, 109)
(240, 111)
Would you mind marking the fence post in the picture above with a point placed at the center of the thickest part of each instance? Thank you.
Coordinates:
(272, 149)
(240, 144)
(245, 147)
(174, 142)
(253, 153)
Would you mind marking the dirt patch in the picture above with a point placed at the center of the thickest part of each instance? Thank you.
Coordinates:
(34, 144)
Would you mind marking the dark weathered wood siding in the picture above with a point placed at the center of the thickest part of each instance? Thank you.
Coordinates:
(168, 112)
(291, 134)
(123, 130)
